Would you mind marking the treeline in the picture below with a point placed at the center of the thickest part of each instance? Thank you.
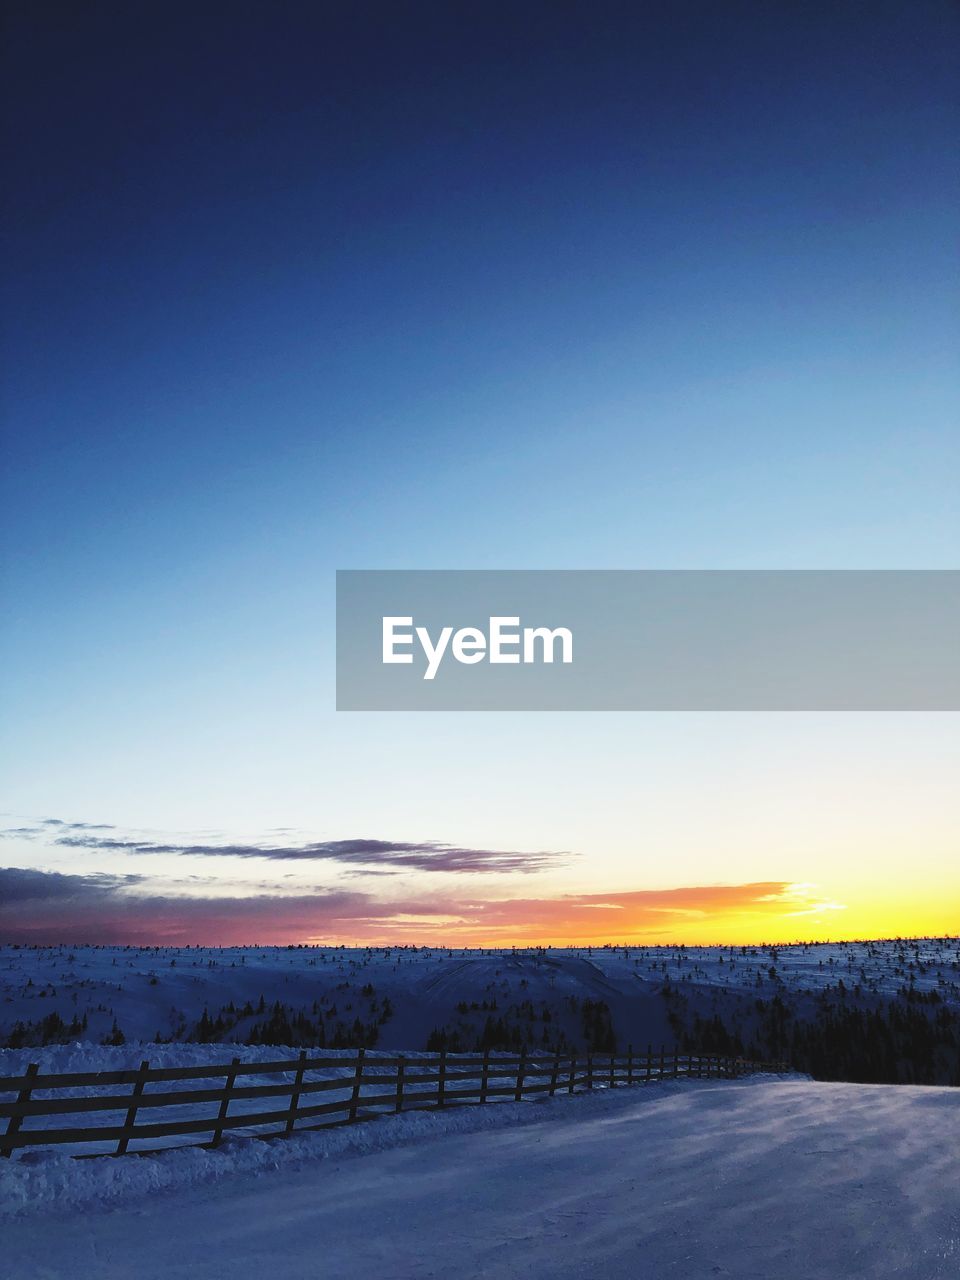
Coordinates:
(49, 1030)
(525, 1026)
(907, 1039)
(319, 1027)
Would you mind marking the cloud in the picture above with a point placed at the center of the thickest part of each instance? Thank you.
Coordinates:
(46, 907)
(429, 855)
(625, 914)
(23, 884)
(79, 826)
(49, 826)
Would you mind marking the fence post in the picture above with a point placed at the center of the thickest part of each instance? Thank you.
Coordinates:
(138, 1084)
(442, 1078)
(485, 1074)
(661, 1060)
(649, 1061)
(400, 1070)
(357, 1080)
(589, 1070)
(629, 1064)
(295, 1093)
(573, 1072)
(555, 1073)
(612, 1080)
(521, 1072)
(13, 1127)
(225, 1102)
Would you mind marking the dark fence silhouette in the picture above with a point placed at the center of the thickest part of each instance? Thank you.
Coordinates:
(367, 1086)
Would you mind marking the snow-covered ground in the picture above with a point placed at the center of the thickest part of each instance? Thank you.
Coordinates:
(408, 992)
(761, 1178)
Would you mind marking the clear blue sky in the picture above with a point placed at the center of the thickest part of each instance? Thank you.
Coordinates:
(298, 287)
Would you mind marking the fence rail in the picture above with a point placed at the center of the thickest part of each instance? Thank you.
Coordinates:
(367, 1085)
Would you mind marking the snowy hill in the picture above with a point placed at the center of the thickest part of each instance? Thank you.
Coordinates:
(747, 1179)
(896, 1002)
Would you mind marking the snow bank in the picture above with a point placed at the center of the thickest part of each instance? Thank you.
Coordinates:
(83, 1056)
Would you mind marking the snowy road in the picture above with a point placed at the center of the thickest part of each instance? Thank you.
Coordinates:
(781, 1178)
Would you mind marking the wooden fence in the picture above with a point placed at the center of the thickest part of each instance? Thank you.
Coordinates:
(369, 1085)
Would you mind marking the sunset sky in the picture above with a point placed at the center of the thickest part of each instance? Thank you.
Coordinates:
(305, 287)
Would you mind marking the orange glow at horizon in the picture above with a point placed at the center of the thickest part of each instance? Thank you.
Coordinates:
(722, 915)
(775, 912)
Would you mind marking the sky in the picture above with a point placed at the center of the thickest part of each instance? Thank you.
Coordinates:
(299, 287)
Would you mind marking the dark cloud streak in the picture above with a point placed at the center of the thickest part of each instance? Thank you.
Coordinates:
(45, 907)
(23, 884)
(415, 856)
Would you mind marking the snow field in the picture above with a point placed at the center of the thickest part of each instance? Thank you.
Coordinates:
(752, 1179)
